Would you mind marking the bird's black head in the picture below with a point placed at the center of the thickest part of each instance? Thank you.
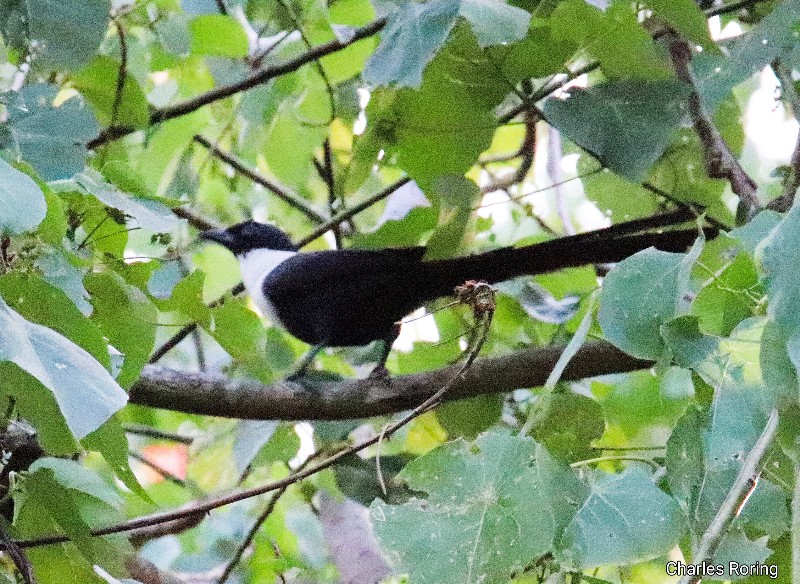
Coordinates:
(249, 235)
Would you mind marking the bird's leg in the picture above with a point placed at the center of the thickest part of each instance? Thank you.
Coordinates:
(307, 360)
(380, 371)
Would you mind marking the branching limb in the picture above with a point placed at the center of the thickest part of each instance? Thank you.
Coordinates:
(215, 395)
(719, 160)
(258, 78)
(742, 488)
(526, 153)
(792, 180)
(278, 190)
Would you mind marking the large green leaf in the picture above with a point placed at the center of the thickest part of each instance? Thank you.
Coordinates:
(85, 392)
(149, 213)
(98, 82)
(411, 38)
(639, 295)
(771, 38)
(780, 259)
(127, 318)
(613, 36)
(492, 508)
(22, 202)
(217, 34)
(52, 139)
(68, 32)
(41, 302)
(67, 494)
(627, 124)
(625, 519)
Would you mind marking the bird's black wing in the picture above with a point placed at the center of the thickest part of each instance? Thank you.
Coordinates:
(345, 297)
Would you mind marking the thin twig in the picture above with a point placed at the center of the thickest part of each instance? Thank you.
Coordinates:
(278, 190)
(318, 232)
(251, 534)
(150, 432)
(736, 498)
(792, 179)
(258, 78)
(123, 71)
(526, 152)
(157, 468)
(719, 160)
(545, 90)
(19, 558)
(236, 496)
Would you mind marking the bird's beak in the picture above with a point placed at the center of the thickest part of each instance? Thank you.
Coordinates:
(220, 236)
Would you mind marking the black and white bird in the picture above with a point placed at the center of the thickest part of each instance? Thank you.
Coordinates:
(350, 297)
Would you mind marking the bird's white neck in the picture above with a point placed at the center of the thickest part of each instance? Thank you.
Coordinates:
(256, 265)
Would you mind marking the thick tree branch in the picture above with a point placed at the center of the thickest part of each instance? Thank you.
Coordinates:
(201, 393)
(719, 160)
(258, 78)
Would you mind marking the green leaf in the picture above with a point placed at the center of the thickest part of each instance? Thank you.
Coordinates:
(493, 507)
(52, 139)
(627, 124)
(412, 36)
(772, 37)
(217, 34)
(536, 55)
(780, 259)
(614, 36)
(127, 318)
(75, 377)
(640, 294)
(250, 437)
(22, 202)
(68, 31)
(44, 304)
(98, 82)
(567, 423)
(76, 499)
(110, 441)
(685, 17)
(149, 213)
(469, 417)
(58, 270)
(494, 22)
(358, 478)
(624, 519)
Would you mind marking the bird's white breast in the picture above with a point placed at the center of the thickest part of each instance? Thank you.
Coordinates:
(256, 265)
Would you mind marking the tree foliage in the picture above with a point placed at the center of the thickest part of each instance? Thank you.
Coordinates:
(666, 429)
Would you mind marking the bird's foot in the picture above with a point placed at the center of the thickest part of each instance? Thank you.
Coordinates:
(380, 373)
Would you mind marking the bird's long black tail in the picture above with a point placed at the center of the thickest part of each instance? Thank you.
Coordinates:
(608, 245)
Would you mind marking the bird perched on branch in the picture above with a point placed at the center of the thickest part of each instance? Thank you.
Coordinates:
(351, 297)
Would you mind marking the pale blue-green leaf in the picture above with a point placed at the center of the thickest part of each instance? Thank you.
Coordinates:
(148, 213)
(638, 296)
(68, 31)
(493, 506)
(72, 475)
(625, 519)
(752, 233)
(250, 436)
(776, 34)
(22, 203)
(627, 124)
(495, 22)
(84, 390)
(60, 272)
(52, 139)
(780, 258)
(540, 304)
(413, 35)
